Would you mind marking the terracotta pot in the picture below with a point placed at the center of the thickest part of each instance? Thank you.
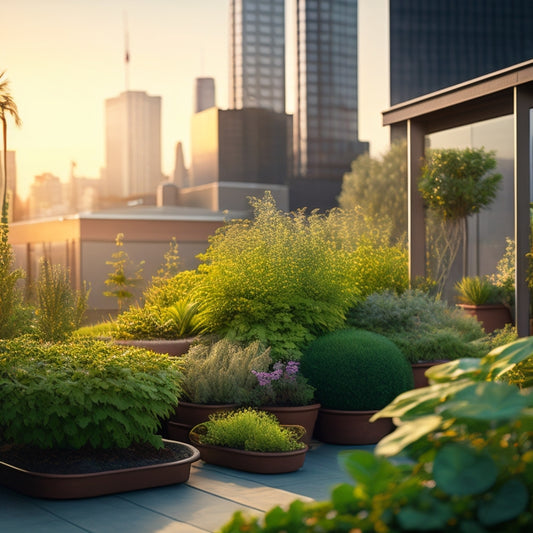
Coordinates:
(302, 415)
(73, 486)
(491, 316)
(419, 372)
(187, 415)
(256, 462)
(350, 427)
(172, 347)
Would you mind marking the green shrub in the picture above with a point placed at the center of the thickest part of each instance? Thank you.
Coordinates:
(247, 429)
(60, 309)
(220, 372)
(355, 370)
(462, 461)
(84, 393)
(423, 327)
(477, 290)
(164, 292)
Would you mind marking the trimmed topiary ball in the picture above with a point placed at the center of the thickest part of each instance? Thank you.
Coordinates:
(356, 370)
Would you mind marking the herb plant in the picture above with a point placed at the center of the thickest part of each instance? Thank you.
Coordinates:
(84, 393)
(477, 290)
(248, 429)
(284, 385)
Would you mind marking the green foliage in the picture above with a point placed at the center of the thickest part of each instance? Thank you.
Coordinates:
(247, 429)
(477, 290)
(220, 372)
(10, 299)
(60, 309)
(164, 292)
(124, 276)
(369, 182)
(101, 330)
(284, 278)
(423, 327)
(464, 457)
(177, 321)
(171, 264)
(84, 393)
(355, 370)
(505, 274)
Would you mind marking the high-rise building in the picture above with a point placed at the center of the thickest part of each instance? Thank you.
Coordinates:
(132, 145)
(257, 54)
(204, 94)
(326, 116)
(437, 44)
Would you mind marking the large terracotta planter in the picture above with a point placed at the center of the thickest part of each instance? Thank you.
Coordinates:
(187, 415)
(302, 415)
(73, 486)
(491, 316)
(256, 462)
(419, 372)
(350, 427)
(172, 347)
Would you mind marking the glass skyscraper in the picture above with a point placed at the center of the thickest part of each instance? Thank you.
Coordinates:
(438, 43)
(257, 54)
(325, 120)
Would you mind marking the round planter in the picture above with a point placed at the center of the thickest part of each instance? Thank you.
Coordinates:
(172, 347)
(301, 415)
(256, 462)
(88, 485)
(187, 415)
(491, 316)
(419, 372)
(350, 427)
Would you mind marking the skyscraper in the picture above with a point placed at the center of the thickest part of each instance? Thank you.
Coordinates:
(132, 145)
(257, 54)
(325, 121)
(204, 94)
(444, 42)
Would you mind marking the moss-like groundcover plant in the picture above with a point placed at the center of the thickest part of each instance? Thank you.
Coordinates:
(465, 444)
(84, 393)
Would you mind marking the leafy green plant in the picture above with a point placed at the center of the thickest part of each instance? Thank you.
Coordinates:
(84, 393)
(355, 370)
(60, 309)
(477, 290)
(121, 279)
(248, 429)
(454, 185)
(285, 278)
(220, 372)
(425, 328)
(462, 454)
(283, 386)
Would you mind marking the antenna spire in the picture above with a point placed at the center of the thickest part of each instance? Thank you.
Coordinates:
(126, 54)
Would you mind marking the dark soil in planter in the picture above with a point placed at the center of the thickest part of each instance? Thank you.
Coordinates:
(88, 460)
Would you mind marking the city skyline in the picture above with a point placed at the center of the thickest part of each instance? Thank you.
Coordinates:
(66, 57)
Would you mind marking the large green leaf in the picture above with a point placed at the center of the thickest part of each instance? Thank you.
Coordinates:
(418, 402)
(504, 358)
(374, 473)
(489, 400)
(467, 367)
(508, 502)
(433, 517)
(462, 471)
(407, 433)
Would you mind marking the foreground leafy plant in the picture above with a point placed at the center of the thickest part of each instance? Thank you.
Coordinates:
(466, 460)
(84, 393)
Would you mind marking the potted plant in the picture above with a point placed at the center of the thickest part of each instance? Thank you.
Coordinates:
(80, 418)
(167, 322)
(355, 373)
(284, 392)
(250, 440)
(481, 298)
(217, 376)
(427, 330)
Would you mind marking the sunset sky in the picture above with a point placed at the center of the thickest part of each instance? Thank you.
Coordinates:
(65, 57)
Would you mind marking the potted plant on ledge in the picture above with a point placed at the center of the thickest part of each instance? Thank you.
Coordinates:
(250, 440)
(80, 419)
(355, 373)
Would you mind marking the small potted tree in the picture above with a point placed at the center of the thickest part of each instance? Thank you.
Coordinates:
(250, 440)
(355, 373)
